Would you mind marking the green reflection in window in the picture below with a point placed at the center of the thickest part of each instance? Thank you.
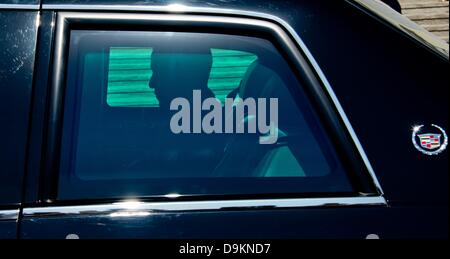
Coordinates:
(130, 71)
(228, 69)
(128, 76)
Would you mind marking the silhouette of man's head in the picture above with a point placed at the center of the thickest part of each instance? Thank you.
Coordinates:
(178, 73)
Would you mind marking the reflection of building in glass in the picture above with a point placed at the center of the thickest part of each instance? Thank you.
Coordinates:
(433, 15)
(129, 74)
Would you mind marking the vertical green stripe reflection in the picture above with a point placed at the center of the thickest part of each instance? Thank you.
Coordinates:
(128, 78)
(228, 69)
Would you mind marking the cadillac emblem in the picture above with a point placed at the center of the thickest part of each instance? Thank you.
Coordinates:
(431, 142)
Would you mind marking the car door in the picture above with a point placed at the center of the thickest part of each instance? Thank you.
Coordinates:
(18, 25)
(193, 126)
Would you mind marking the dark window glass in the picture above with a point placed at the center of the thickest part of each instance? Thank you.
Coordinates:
(118, 132)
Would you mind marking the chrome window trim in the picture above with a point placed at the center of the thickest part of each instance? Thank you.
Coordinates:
(20, 6)
(9, 214)
(285, 32)
(251, 16)
(136, 208)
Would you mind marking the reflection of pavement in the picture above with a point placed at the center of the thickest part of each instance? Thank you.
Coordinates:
(433, 15)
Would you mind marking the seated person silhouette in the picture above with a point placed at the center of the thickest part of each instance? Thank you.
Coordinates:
(177, 72)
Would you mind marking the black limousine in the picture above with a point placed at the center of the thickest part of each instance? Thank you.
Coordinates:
(214, 119)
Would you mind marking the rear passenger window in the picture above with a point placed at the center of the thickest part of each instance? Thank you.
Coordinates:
(159, 113)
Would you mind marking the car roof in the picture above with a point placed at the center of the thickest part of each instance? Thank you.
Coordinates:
(285, 9)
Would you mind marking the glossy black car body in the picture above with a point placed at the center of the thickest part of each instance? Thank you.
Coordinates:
(380, 67)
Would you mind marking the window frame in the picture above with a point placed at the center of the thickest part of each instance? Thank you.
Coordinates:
(298, 57)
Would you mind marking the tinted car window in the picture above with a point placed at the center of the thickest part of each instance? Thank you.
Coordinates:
(157, 113)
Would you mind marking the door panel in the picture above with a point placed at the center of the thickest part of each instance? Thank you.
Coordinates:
(17, 52)
(323, 223)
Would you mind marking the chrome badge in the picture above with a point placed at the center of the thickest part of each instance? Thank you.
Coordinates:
(432, 142)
